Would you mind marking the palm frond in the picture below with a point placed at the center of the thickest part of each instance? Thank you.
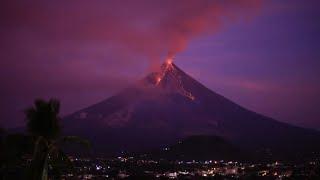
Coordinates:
(42, 118)
(55, 105)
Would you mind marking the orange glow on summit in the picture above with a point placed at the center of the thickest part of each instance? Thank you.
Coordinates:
(169, 61)
(168, 69)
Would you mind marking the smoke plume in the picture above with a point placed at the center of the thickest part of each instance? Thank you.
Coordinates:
(78, 50)
(143, 27)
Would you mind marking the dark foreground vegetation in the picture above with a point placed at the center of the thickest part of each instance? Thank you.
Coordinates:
(40, 154)
(33, 155)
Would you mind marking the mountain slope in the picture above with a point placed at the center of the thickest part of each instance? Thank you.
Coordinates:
(169, 105)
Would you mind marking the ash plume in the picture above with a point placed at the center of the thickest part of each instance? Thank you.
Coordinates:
(90, 42)
(143, 27)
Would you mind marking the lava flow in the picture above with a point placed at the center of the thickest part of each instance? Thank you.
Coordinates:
(169, 70)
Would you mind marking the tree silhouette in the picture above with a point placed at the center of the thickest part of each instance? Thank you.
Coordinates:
(43, 125)
(1, 150)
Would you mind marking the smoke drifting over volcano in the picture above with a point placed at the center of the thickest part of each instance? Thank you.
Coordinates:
(92, 42)
(147, 28)
(81, 51)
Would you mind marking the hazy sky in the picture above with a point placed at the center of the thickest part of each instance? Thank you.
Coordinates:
(264, 55)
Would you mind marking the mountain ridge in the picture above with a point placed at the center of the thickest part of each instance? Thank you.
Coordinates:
(170, 105)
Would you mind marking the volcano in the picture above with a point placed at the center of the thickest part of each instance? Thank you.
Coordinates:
(169, 105)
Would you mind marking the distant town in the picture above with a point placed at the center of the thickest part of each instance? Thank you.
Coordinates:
(130, 167)
(127, 167)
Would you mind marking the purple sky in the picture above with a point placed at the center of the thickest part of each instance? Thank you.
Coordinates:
(263, 55)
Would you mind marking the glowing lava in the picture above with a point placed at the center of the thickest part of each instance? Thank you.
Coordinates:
(169, 70)
(169, 61)
(158, 80)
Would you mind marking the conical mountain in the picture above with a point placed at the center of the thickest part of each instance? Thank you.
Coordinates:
(169, 105)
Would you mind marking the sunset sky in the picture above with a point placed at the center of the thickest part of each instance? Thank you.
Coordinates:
(263, 55)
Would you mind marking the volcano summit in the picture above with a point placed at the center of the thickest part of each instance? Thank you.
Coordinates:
(169, 105)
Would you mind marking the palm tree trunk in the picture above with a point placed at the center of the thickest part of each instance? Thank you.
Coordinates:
(45, 168)
(39, 164)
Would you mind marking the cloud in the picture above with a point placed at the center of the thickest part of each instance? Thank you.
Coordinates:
(82, 50)
(148, 28)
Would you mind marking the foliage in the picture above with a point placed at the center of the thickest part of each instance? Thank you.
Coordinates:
(43, 124)
(43, 119)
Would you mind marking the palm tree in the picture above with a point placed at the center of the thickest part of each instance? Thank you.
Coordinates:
(43, 124)
(1, 150)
